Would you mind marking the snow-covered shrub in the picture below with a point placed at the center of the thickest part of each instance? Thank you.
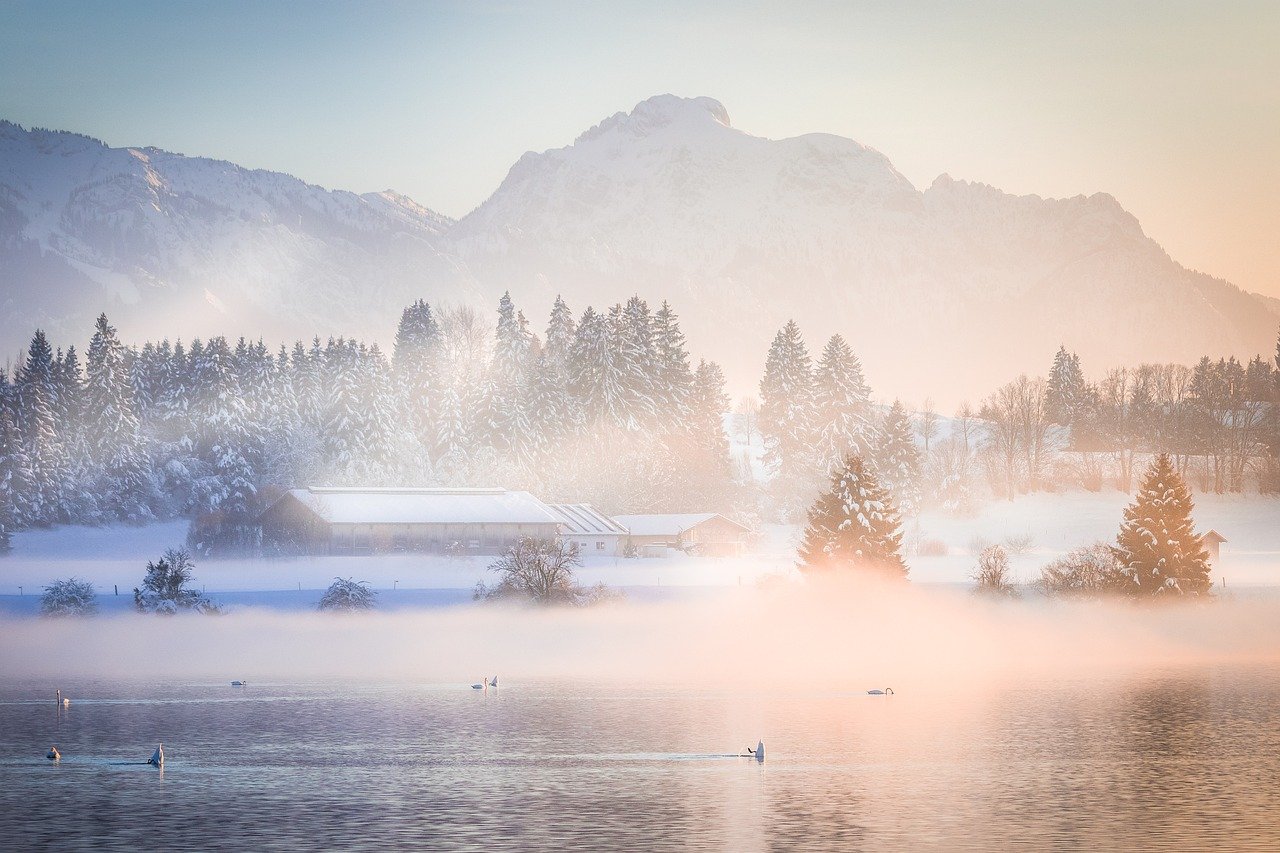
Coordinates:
(1089, 572)
(70, 597)
(1019, 544)
(345, 595)
(165, 588)
(993, 576)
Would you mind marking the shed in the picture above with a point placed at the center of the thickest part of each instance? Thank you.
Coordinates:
(1212, 542)
(336, 520)
(706, 533)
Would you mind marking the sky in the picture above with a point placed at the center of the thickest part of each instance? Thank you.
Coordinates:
(1172, 107)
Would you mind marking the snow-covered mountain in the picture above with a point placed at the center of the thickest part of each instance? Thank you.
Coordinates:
(174, 245)
(933, 289)
(940, 291)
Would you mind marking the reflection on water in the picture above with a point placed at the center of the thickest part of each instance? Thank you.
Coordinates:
(1170, 760)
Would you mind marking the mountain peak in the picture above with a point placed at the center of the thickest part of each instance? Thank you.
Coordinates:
(662, 111)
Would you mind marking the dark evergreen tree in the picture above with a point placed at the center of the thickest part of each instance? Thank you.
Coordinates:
(416, 361)
(1158, 546)
(854, 525)
(41, 493)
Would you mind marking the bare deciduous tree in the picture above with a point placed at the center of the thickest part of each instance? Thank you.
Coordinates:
(539, 571)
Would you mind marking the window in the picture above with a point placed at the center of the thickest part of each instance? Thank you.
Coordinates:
(599, 544)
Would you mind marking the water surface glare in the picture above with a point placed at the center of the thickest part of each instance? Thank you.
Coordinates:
(1171, 759)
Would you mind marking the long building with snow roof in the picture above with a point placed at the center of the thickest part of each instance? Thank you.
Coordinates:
(339, 520)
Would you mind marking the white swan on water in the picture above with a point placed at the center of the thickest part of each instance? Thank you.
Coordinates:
(493, 682)
(479, 686)
(63, 700)
(53, 754)
(888, 691)
(758, 752)
(157, 757)
(239, 683)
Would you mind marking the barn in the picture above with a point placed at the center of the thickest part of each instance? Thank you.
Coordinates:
(594, 532)
(708, 534)
(333, 520)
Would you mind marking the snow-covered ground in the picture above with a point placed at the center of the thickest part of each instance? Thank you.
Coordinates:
(115, 556)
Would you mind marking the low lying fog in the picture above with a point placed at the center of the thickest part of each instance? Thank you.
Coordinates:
(839, 635)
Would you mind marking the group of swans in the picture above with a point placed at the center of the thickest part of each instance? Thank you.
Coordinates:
(156, 759)
(492, 682)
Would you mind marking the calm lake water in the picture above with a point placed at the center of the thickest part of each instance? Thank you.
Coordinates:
(1171, 760)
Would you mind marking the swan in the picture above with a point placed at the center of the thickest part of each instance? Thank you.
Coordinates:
(758, 752)
(53, 754)
(888, 691)
(63, 700)
(493, 682)
(479, 686)
(239, 683)
(157, 757)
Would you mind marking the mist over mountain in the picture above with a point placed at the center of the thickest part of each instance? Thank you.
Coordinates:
(941, 291)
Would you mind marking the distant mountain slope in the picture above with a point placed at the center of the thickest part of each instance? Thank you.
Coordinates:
(941, 291)
(183, 245)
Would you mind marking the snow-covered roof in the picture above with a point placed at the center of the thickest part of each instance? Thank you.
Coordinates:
(666, 525)
(424, 506)
(584, 519)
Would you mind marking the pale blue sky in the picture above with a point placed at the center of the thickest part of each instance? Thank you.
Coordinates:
(1174, 108)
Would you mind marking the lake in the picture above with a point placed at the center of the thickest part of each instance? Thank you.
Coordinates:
(1169, 759)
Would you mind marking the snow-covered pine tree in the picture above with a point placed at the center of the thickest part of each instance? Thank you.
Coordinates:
(898, 458)
(674, 378)
(124, 487)
(503, 418)
(845, 421)
(41, 493)
(853, 525)
(10, 466)
(1157, 545)
(708, 466)
(560, 334)
(416, 364)
(637, 356)
(595, 378)
(786, 414)
(1066, 385)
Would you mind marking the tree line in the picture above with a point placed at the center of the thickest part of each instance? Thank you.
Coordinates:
(606, 408)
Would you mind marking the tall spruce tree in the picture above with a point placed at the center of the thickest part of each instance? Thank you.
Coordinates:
(112, 432)
(786, 413)
(1157, 545)
(898, 460)
(1064, 394)
(41, 493)
(674, 376)
(845, 422)
(854, 525)
(10, 462)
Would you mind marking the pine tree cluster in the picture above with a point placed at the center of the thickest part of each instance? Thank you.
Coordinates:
(606, 409)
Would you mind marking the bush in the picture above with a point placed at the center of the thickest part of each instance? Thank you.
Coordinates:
(164, 589)
(993, 577)
(932, 548)
(540, 571)
(70, 597)
(345, 595)
(1089, 572)
(1019, 545)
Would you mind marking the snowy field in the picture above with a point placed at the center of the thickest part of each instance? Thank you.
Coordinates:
(1048, 525)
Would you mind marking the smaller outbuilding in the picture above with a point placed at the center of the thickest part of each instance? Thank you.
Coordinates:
(707, 534)
(1212, 542)
(594, 531)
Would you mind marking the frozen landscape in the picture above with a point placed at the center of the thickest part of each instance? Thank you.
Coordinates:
(639, 426)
